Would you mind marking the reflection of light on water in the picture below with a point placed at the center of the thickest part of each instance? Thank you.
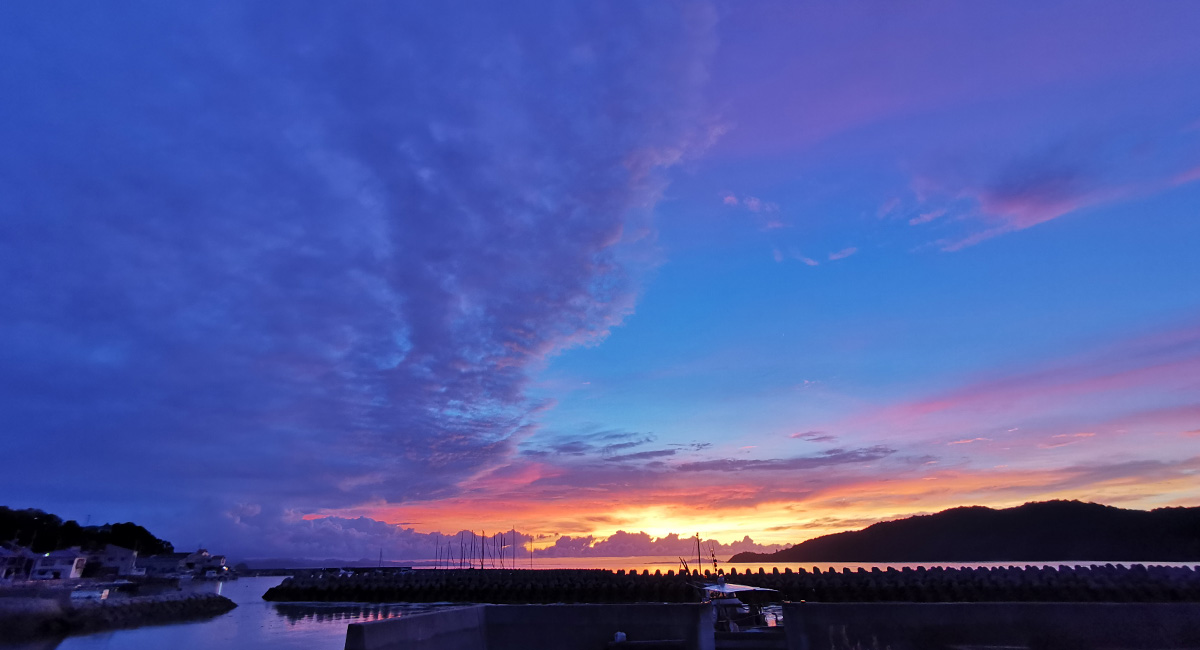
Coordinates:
(305, 615)
(297, 613)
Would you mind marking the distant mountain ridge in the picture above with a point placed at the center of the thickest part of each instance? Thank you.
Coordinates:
(1037, 531)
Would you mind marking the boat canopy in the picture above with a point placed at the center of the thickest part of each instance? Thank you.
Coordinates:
(729, 588)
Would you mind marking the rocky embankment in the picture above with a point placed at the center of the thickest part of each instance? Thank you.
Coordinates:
(35, 618)
(1107, 583)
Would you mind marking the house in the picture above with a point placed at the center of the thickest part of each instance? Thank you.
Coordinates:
(202, 561)
(114, 560)
(167, 564)
(63, 564)
(198, 563)
(16, 562)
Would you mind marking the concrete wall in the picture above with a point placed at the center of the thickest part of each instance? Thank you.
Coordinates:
(448, 629)
(591, 627)
(819, 626)
(537, 627)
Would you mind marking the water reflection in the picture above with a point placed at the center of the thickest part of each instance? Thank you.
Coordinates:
(298, 613)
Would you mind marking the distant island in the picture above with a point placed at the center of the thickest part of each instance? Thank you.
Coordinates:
(1039, 531)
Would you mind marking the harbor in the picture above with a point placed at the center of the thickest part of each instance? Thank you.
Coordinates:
(838, 607)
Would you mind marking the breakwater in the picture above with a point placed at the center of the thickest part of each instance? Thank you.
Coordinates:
(1096, 583)
(39, 618)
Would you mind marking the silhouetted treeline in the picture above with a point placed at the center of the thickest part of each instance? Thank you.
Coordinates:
(41, 532)
(1050, 530)
(1106, 583)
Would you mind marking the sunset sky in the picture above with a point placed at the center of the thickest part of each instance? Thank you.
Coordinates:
(325, 279)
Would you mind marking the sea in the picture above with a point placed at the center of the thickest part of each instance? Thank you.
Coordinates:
(259, 625)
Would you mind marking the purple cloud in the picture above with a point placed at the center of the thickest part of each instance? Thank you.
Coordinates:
(828, 458)
(309, 257)
(643, 455)
(814, 436)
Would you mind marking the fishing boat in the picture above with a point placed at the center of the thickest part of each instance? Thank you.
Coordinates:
(740, 608)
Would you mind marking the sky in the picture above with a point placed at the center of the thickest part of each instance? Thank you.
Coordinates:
(325, 281)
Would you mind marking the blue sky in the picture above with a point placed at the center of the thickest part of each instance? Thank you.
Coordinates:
(316, 282)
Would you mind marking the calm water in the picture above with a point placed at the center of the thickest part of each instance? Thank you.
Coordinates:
(255, 624)
(260, 625)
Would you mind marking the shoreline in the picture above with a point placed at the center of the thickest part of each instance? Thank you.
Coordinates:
(24, 619)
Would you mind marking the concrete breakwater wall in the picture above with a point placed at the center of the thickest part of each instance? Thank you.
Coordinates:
(36, 618)
(541, 627)
(1106, 583)
(1033, 626)
(808, 626)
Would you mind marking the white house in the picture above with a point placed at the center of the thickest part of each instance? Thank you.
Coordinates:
(62, 564)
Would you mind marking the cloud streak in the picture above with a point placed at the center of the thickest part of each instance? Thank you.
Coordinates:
(828, 458)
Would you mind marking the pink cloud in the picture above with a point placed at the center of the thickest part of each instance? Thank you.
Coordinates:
(813, 436)
(1024, 197)
(842, 254)
(753, 204)
(730, 199)
(1116, 383)
(968, 441)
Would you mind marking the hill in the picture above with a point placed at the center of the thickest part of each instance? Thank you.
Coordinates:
(1040, 531)
(41, 532)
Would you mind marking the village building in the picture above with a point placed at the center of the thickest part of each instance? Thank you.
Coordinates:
(63, 564)
(165, 565)
(114, 560)
(16, 562)
(198, 563)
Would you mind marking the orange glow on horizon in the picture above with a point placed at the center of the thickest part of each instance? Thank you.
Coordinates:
(769, 514)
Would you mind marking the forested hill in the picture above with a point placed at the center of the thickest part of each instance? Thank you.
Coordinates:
(1040, 531)
(42, 532)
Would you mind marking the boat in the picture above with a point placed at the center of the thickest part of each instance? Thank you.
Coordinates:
(741, 608)
(738, 607)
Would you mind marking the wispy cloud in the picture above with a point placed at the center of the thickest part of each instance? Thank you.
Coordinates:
(1064, 439)
(830, 457)
(766, 213)
(642, 455)
(1123, 371)
(842, 254)
(1043, 185)
(926, 217)
(814, 436)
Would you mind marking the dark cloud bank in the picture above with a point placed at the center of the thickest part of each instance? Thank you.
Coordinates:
(307, 257)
